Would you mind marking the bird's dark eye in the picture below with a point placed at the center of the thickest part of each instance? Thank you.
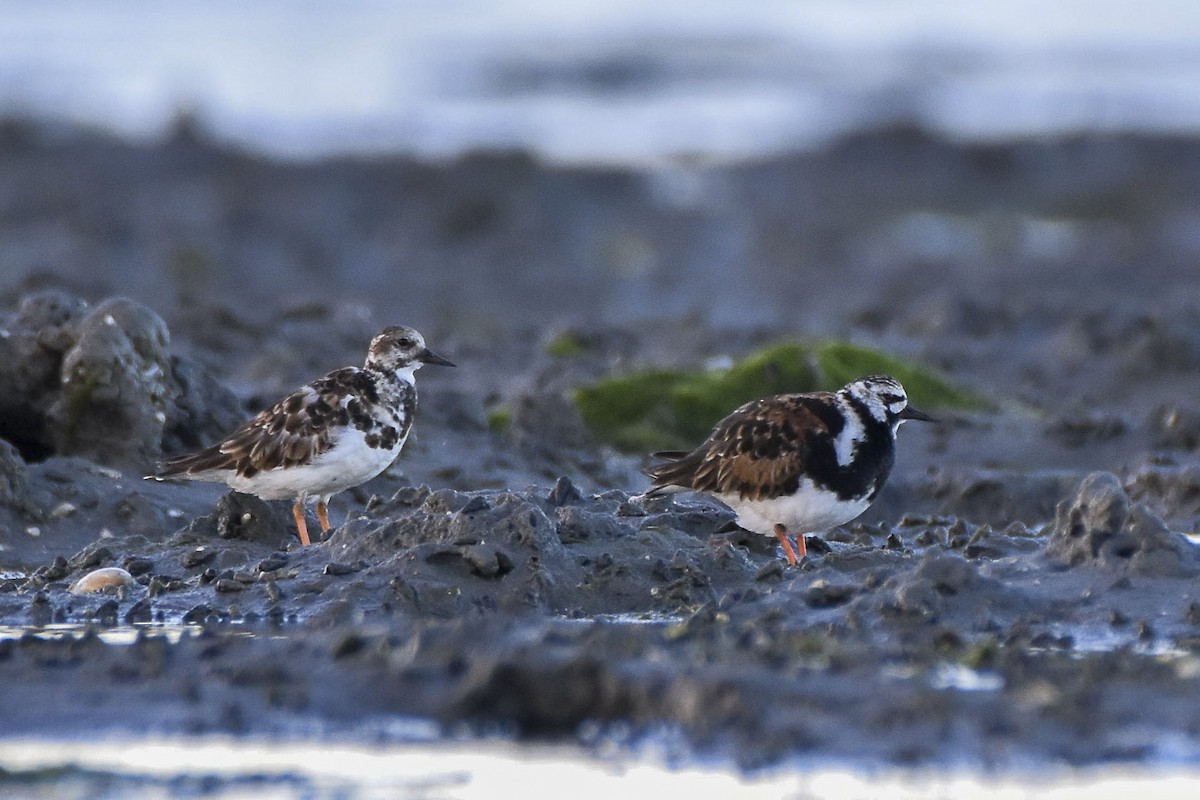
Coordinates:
(405, 342)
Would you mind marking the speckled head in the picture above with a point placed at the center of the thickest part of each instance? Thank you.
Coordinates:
(397, 349)
(886, 400)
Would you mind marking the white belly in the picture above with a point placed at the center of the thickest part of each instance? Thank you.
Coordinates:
(808, 511)
(345, 465)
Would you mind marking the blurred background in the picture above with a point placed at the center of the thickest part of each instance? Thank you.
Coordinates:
(615, 82)
(464, 163)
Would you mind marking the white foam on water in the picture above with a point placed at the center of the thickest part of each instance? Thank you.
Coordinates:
(492, 769)
(119, 634)
(601, 80)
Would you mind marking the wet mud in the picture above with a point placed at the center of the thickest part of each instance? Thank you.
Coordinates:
(1023, 591)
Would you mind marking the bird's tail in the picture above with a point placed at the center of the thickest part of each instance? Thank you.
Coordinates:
(669, 476)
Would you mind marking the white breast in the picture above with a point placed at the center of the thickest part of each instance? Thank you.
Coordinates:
(810, 510)
(347, 464)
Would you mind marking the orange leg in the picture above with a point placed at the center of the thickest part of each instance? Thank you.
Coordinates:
(301, 525)
(781, 533)
(323, 515)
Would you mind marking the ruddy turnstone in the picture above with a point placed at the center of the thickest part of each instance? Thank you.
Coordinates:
(333, 434)
(796, 462)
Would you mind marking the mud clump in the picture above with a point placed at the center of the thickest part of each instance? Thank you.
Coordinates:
(1101, 525)
(101, 383)
(114, 387)
(938, 582)
(15, 491)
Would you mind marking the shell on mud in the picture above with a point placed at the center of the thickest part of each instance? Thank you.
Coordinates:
(105, 579)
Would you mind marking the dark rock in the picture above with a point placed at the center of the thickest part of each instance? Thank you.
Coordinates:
(115, 387)
(816, 546)
(337, 568)
(1100, 525)
(15, 491)
(245, 517)
(410, 496)
(31, 353)
(825, 595)
(141, 611)
(198, 557)
(99, 382)
(56, 570)
(273, 562)
(1172, 490)
(138, 566)
(773, 569)
(40, 610)
(576, 524)
(349, 645)
(199, 615)
(939, 583)
(564, 492)
(201, 412)
(542, 698)
(106, 613)
(91, 556)
(476, 504)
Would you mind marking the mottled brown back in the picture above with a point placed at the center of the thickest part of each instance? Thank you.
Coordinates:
(291, 432)
(759, 451)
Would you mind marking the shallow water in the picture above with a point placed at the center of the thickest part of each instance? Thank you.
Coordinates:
(233, 768)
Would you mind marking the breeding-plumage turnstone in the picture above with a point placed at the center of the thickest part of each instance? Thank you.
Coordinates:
(333, 434)
(796, 462)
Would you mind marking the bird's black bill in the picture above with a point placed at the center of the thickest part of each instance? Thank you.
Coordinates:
(912, 412)
(427, 356)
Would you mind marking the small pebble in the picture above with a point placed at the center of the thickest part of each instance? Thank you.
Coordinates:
(63, 510)
(197, 557)
(772, 569)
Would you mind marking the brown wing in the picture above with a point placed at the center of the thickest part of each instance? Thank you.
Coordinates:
(291, 432)
(761, 450)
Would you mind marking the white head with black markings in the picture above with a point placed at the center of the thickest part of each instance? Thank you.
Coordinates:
(885, 399)
(401, 350)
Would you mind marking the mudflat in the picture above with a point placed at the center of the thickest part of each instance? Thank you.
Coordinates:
(1023, 591)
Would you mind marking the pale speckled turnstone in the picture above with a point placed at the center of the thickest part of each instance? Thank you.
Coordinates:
(798, 463)
(333, 434)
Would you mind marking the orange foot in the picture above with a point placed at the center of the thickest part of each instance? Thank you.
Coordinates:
(301, 525)
(781, 533)
(323, 516)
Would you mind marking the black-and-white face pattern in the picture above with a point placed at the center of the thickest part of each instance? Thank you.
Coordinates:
(883, 396)
(395, 348)
(399, 348)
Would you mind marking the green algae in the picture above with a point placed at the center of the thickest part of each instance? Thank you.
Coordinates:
(625, 410)
(660, 409)
(499, 419)
(842, 362)
(697, 400)
(565, 345)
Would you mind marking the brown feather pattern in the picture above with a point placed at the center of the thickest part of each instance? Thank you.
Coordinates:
(761, 450)
(294, 430)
